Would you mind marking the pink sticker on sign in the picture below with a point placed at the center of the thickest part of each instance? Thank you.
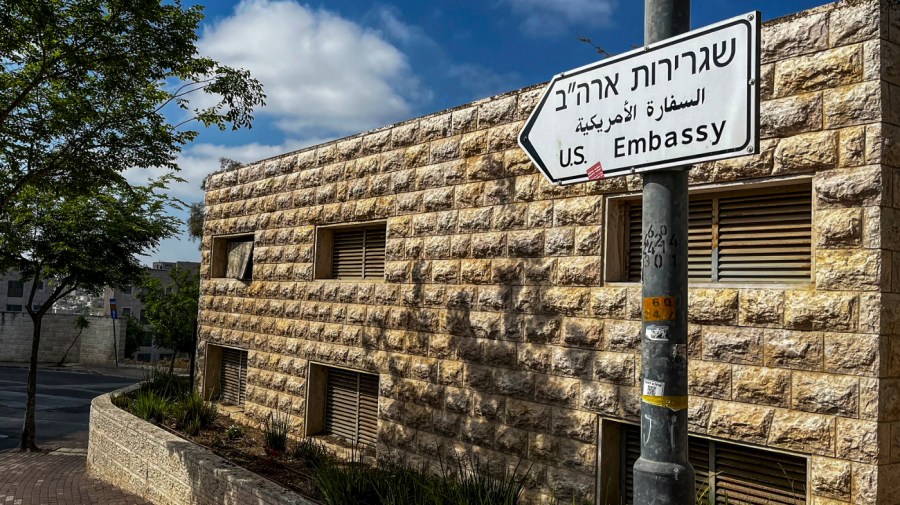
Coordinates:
(595, 172)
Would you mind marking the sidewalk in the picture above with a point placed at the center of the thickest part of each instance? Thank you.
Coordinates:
(55, 478)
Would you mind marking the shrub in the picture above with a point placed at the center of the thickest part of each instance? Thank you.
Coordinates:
(123, 401)
(275, 431)
(472, 481)
(149, 406)
(165, 384)
(234, 432)
(192, 414)
(310, 452)
(348, 484)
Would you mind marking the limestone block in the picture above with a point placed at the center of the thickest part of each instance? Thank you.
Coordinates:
(863, 441)
(500, 354)
(479, 377)
(566, 484)
(614, 368)
(526, 243)
(478, 431)
(830, 477)
(579, 271)
(817, 310)
(450, 373)
(762, 386)
(850, 269)
(504, 137)
(802, 432)
(557, 390)
(489, 407)
(599, 398)
(541, 329)
(485, 168)
(577, 455)
(434, 127)
(698, 414)
(854, 104)
(488, 245)
(864, 484)
(507, 272)
(528, 415)
(535, 357)
(838, 228)
(761, 307)
(733, 345)
(584, 332)
(623, 336)
(826, 394)
(516, 162)
(574, 424)
(401, 136)
(808, 152)
(511, 441)
(608, 303)
(743, 167)
(572, 362)
(857, 187)
(564, 301)
(579, 211)
(540, 214)
(708, 379)
(511, 217)
(497, 111)
(464, 120)
(854, 354)
(559, 241)
(853, 22)
(740, 421)
(474, 220)
(799, 35)
(842, 65)
(766, 81)
(713, 306)
(784, 117)
(868, 399)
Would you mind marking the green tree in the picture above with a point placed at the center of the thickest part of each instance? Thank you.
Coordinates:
(171, 309)
(79, 240)
(86, 87)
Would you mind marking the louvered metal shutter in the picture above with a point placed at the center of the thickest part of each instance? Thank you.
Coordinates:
(765, 236)
(752, 476)
(700, 229)
(351, 406)
(759, 236)
(358, 253)
(731, 473)
(234, 376)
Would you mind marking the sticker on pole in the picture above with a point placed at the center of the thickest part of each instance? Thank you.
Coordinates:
(683, 100)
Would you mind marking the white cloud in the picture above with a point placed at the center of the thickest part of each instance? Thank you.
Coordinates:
(549, 18)
(320, 72)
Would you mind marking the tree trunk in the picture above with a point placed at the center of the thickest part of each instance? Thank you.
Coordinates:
(172, 363)
(28, 429)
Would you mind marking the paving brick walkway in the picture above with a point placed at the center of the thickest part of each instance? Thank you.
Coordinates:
(57, 477)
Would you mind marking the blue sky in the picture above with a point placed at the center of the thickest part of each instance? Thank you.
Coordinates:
(336, 68)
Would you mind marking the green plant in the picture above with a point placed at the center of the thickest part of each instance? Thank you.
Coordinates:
(472, 481)
(348, 484)
(234, 432)
(149, 406)
(192, 414)
(164, 383)
(122, 400)
(275, 431)
(310, 452)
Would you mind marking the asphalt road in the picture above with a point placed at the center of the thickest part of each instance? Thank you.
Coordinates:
(63, 405)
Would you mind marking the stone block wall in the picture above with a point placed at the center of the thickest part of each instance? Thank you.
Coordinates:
(165, 469)
(94, 346)
(496, 330)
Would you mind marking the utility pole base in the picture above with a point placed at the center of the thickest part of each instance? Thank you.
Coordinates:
(657, 483)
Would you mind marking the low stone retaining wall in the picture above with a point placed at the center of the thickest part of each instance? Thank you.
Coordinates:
(167, 470)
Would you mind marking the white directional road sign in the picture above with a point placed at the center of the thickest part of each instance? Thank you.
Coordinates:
(691, 98)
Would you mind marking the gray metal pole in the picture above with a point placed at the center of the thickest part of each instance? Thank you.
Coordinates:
(663, 475)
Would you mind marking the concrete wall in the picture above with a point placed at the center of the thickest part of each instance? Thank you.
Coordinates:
(496, 328)
(95, 346)
(167, 470)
